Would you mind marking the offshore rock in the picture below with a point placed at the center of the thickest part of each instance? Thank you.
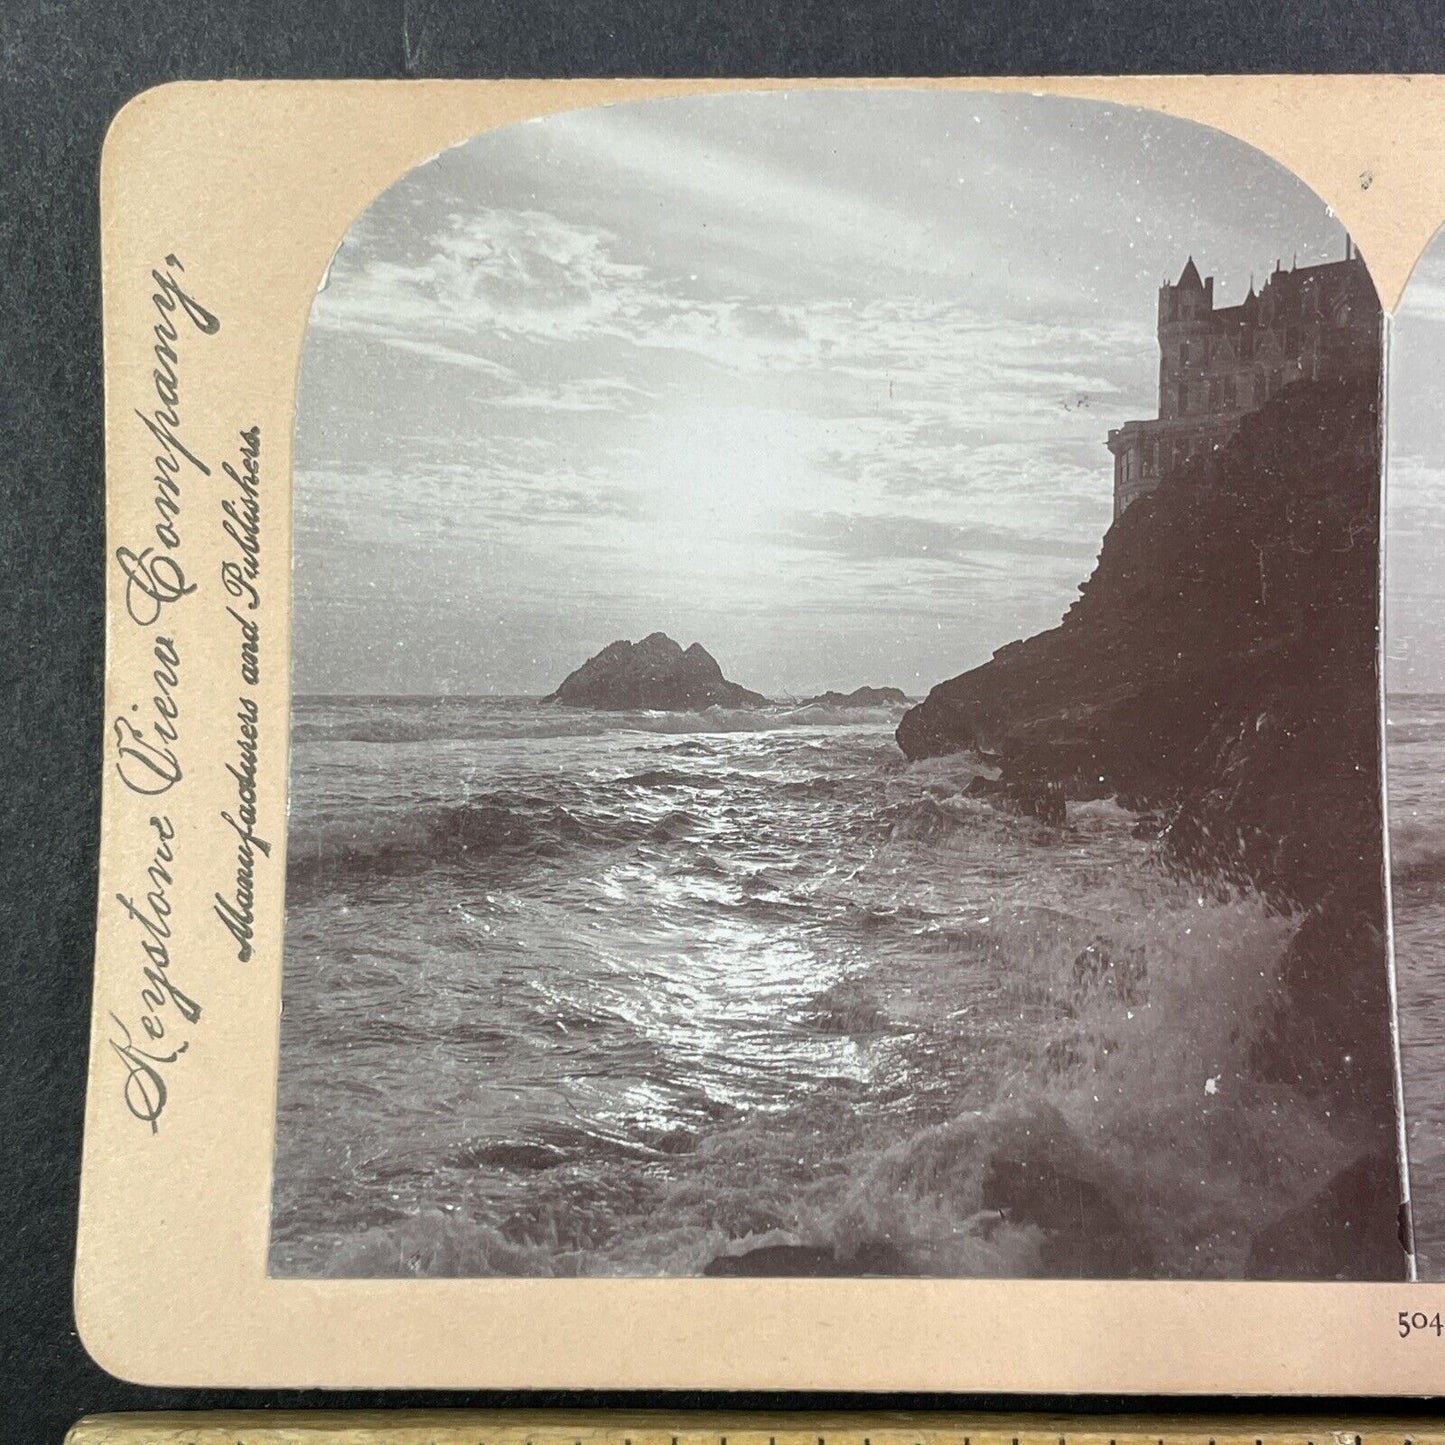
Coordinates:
(860, 697)
(654, 675)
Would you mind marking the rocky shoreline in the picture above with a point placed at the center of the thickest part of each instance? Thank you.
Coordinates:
(1219, 674)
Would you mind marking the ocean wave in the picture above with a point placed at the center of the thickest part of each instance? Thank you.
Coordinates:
(360, 1029)
(670, 778)
(843, 1016)
(432, 1244)
(1417, 851)
(1410, 731)
(849, 1007)
(1121, 1130)
(397, 841)
(1128, 1134)
(822, 715)
(463, 720)
(930, 819)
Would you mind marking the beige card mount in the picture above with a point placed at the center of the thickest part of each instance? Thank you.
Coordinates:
(331, 1196)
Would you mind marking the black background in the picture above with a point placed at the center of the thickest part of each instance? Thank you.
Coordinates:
(65, 69)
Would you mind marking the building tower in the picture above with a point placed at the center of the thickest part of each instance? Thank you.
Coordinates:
(1185, 311)
(1218, 364)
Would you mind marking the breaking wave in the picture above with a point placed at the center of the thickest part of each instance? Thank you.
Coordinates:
(412, 720)
(1117, 1139)
(772, 1002)
(484, 833)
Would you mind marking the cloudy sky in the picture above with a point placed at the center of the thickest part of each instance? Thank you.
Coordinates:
(1415, 484)
(818, 380)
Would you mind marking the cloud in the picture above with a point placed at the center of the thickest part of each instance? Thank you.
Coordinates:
(1424, 296)
(892, 538)
(495, 272)
(1424, 300)
(609, 394)
(489, 282)
(437, 350)
(447, 513)
(746, 359)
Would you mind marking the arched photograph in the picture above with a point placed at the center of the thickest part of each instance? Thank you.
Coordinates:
(1415, 731)
(835, 723)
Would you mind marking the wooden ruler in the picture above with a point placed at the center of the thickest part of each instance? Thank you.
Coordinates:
(660, 1427)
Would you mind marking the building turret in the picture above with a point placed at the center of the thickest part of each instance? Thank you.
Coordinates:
(1217, 364)
(1186, 311)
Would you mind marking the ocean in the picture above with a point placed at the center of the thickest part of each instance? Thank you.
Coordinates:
(1415, 773)
(569, 992)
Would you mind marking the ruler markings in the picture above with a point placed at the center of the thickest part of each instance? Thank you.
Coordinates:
(455, 1428)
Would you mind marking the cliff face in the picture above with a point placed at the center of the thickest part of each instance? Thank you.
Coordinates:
(1219, 669)
(1226, 639)
(654, 674)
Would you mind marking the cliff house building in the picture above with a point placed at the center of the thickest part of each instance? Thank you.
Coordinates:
(1218, 364)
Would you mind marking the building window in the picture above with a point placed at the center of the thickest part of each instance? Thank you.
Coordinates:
(1229, 393)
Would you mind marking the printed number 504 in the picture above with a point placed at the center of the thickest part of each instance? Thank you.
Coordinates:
(1413, 1324)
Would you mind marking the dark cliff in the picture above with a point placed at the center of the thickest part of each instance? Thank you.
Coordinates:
(1219, 670)
(654, 674)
